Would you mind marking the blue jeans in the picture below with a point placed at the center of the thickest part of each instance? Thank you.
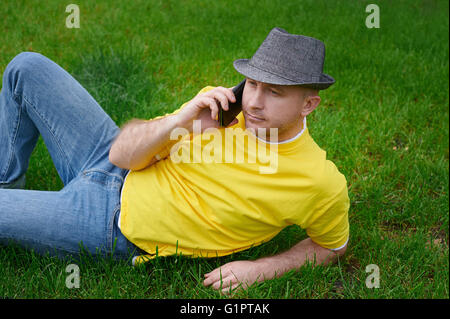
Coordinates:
(39, 97)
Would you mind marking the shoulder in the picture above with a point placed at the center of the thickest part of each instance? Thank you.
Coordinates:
(328, 180)
(331, 187)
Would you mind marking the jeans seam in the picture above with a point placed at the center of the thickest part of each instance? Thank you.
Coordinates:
(16, 132)
(110, 230)
(99, 170)
(34, 108)
(18, 239)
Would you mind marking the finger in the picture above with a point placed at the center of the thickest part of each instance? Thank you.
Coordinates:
(221, 271)
(221, 284)
(213, 276)
(222, 98)
(228, 93)
(212, 272)
(232, 289)
(210, 102)
(214, 108)
(208, 281)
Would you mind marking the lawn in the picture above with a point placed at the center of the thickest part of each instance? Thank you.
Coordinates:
(385, 124)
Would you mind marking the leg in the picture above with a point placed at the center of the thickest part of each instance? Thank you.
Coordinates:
(83, 213)
(39, 97)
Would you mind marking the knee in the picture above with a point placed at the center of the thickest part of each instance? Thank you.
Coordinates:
(25, 62)
(23, 66)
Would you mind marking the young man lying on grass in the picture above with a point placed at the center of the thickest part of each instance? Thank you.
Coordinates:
(142, 192)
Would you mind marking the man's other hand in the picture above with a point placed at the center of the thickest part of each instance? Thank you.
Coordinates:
(233, 276)
(243, 273)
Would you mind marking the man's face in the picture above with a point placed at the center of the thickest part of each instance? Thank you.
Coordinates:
(276, 106)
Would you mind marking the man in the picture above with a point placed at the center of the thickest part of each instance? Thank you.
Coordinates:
(191, 206)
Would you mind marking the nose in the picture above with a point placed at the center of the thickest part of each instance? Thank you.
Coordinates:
(255, 102)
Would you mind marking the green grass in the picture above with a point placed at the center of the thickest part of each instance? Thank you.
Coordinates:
(384, 123)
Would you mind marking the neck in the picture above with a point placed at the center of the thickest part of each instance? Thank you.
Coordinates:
(292, 131)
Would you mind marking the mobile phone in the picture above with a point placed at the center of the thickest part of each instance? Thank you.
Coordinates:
(226, 117)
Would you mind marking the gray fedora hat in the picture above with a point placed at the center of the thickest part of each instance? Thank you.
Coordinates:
(287, 59)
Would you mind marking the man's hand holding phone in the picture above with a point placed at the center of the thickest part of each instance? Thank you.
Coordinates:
(206, 107)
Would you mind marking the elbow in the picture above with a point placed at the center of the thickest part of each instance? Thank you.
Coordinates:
(116, 160)
(341, 252)
(123, 163)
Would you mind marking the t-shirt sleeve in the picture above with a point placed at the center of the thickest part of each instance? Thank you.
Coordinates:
(165, 151)
(328, 225)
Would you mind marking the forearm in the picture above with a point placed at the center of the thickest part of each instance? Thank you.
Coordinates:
(235, 273)
(140, 140)
(294, 258)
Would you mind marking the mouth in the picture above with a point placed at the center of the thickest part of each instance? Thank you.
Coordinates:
(254, 118)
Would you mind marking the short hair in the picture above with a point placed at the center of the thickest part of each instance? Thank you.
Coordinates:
(309, 92)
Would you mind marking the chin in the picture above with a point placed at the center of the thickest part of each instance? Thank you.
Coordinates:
(250, 124)
(254, 128)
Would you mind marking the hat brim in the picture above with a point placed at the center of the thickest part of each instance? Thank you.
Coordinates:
(243, 67)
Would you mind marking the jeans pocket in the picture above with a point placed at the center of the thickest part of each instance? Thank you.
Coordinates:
(104, 178)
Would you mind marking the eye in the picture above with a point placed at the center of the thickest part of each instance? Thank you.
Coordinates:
(274, 92)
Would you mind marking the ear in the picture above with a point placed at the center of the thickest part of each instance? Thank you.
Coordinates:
(309, 104)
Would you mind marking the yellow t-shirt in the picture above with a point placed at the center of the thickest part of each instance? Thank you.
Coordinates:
(208, 202)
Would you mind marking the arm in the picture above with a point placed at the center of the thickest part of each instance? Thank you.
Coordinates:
(247, 272)
(140, 140)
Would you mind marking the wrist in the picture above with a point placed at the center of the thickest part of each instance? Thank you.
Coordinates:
(181, 122)
(267, 268)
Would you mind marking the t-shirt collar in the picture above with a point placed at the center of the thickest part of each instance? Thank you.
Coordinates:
(288, 140)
